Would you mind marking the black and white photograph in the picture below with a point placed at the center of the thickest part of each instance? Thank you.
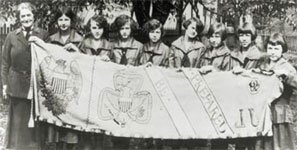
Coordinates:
(148, 75)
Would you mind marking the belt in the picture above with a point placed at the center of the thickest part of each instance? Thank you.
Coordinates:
(23, 72)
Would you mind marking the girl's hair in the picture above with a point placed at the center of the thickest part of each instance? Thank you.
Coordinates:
(277, 39)
(101, 22)
(199, 24)
(121, 21)
(151, 25)
(67, 11)
(218, 28)
(247, 28)
(25, 5)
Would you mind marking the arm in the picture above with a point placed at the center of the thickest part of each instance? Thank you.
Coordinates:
(6, 62)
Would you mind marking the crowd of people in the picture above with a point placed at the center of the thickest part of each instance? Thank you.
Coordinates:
(186, 51)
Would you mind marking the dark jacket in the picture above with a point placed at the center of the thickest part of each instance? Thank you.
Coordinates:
(158, 56)
(182, 57)
(16, 62)
(88, 47)
(131, 52)
(248, 61)
(217, 57)
(74, 38)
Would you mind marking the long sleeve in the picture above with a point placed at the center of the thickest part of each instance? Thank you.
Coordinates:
(292, 80)
(6, 60)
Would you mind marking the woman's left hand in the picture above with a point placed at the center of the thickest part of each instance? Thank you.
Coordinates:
(71, 47)
(206, 69)
(104, 58)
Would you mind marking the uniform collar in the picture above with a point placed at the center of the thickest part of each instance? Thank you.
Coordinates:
(253, 53)
(34, 30)
(88, 42)
(130, 41)
(179, 43)
(73, 38)
(158, 49)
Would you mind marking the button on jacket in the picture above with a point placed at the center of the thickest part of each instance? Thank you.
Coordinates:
(16, 62)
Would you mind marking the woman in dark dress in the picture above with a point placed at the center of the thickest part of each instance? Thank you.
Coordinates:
(16, 73)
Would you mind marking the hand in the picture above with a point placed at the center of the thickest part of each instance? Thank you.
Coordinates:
(104, 58)
(206, 69)
(71, 47)
(36, 40)
(282, 74)
(148, 64)
(238, 70)
(4, 92)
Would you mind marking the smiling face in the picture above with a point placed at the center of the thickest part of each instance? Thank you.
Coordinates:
(245, 39)
(26, 18)
(125, 31)
(155, 35)
(191, 31)
(96, 31)
(64, 23)
(274, 52)
(215, 40)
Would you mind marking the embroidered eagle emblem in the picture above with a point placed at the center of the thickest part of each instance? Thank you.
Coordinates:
(62, 82)
(126, 102)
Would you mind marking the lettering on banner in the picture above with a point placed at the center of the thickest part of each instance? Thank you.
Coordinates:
(208, 100)
(243, 117)
(126, 102)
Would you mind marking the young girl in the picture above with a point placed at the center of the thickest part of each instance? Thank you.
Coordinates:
(218, 54)
(95, 42)
(154, 51)
(125, 49)
(66, 35)
(69, 39)
(186, 51)
(248, 54)
(282, 116)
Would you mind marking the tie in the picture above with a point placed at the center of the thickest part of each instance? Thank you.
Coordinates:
(185, 62)
(152, 55)
(124, 57)
(124, 50)
(27, 32)
(99, 50)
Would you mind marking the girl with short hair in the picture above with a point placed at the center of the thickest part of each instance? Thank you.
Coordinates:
(154, 51)
(187, 50)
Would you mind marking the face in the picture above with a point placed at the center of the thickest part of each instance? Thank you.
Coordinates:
(95, 30)
(155, 35)
(26, 18)
(191, 30)
(274, 52)
(64, 23)
(245, 39)
(125, 31)
(215, 40)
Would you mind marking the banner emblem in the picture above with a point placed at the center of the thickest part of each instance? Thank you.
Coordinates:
(254, 86)
(61, 84)
(126, 102)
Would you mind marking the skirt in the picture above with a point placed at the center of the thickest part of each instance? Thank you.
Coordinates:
(19, 135)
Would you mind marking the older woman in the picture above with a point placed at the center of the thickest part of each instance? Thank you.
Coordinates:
(16, 71)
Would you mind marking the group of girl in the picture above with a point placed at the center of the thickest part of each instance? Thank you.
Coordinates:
(186, 51)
